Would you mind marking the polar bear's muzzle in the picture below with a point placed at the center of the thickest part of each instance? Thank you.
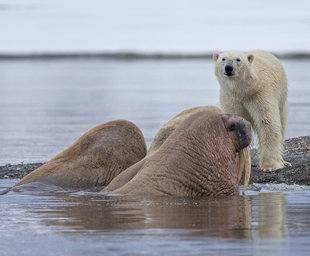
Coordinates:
(229, 69)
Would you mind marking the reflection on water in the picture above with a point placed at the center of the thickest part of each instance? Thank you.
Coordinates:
(269, 223)
(272, 215)
(221, 217)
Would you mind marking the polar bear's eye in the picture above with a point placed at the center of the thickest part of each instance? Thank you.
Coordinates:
(223, 59)
(238, 59)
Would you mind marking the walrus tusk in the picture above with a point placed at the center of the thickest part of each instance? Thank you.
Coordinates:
(246, 162)
(240, 166)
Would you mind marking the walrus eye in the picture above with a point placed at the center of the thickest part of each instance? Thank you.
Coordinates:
(223, 59)
(232, 127)
(238, 60)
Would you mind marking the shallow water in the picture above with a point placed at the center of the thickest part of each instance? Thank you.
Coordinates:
(45, 105)
(263, 222)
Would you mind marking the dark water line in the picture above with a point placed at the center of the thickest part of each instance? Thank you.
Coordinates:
(131, 55)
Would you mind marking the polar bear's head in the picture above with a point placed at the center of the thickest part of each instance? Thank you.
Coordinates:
(232, 64)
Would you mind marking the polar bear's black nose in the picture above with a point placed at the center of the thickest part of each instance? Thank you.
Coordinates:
(229, 70)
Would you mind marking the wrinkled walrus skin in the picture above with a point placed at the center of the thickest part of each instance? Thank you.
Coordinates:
(197, 159)
(95, 158)
(169, 127)
(158, 140)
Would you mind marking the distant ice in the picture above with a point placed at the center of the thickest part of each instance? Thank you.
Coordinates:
(44, 26)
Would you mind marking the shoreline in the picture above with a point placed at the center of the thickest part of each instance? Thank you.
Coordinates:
(297, 152)
(131, 55)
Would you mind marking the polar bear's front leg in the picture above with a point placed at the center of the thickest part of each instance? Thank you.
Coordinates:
(267, 125)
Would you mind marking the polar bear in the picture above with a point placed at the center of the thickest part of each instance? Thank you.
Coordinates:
(254, 86)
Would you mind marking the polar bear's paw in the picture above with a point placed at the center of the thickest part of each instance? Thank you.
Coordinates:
(272, 167)
(286, 164)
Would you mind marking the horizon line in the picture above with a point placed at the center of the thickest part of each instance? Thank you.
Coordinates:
(132, 55)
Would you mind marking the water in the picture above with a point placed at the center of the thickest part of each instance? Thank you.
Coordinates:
(45, 105)
(263, 222)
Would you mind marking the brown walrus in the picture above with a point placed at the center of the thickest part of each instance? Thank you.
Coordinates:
(198, 159)
(169, 127)
(95, 158)
(158, 140)
(244, 159)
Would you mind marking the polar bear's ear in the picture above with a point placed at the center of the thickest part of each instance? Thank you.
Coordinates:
(216, 56)
(250, 57)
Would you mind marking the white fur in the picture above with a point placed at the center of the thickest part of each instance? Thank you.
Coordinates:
(258, 92)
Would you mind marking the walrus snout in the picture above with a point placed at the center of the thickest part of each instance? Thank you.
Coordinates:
(240, 128)
(244, 134)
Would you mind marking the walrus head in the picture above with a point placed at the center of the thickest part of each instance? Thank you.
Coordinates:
(240, 133)
(238, 129)
(199, 158)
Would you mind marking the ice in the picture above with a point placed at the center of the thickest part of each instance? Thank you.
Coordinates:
(40, 26)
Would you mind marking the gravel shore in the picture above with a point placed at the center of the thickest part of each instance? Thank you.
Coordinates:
(297, 152)
(17, 171)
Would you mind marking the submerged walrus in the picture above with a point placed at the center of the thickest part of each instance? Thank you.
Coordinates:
(244, 160)
(198, 159)
(158, 140)
(95, 158)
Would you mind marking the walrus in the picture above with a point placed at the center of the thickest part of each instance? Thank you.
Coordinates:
(169, 127)
(243, 157)
(198, 159)
(158, 140)
(94, 159)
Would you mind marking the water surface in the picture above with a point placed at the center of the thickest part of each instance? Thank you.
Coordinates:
(45, 105)
(264, 222)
